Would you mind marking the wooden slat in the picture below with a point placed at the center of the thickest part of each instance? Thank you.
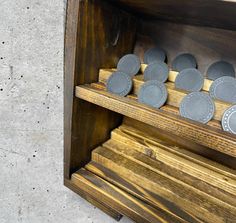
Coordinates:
(174, 96)
(168, 108)
(118, 199)
(202, 153)
(199, 133)
(166, 207)
(189, 199)
(166, 158)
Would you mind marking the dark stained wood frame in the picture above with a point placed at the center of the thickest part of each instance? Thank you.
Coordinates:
(97, 34)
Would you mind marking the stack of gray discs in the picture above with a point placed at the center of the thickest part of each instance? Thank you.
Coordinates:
(197, 106)
(184, 61)
(190, 80)
(153, 93)
(220, 69)
(154, 54)
(156, 71)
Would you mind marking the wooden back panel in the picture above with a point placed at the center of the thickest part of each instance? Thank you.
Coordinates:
(206, 44)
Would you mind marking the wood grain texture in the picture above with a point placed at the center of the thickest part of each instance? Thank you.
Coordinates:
(189, 199)
(167, 208)
(175, 96)
(197, 132)
(93, 200)
(176, 162)
(202, 153)
(91, 41)
(202, 12)
(208, 45)
(119, 200)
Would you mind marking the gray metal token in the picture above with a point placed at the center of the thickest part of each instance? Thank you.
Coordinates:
(228, 121)
(220, 69)
(153, 93)
(197, 106)
(190, 80)
(224, 88)
(184, 61)
(154, 54)
(129, 64)
(156, 71)
(119, 83)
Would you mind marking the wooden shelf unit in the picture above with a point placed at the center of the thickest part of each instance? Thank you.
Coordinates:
(127, 158)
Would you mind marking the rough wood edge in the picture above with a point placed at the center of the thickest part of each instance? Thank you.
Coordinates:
(199, 133)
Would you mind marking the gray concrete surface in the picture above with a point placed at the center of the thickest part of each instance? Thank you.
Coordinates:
(31, 117)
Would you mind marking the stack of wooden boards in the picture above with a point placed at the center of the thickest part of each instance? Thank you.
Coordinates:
(139, 170)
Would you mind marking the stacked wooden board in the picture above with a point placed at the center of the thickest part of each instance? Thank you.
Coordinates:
(158, 180)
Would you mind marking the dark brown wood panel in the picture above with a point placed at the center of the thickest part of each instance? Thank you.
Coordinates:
(97, 34)
(213, 13)
(206, 44)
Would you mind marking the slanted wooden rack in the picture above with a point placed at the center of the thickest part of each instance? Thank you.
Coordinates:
(130, 159)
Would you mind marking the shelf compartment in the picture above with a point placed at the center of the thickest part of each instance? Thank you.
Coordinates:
(197, 132)
(187, 185)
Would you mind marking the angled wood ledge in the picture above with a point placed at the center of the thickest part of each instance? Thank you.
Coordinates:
(197, 132)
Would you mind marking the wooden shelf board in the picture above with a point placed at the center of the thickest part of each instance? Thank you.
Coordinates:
(197, 204)
(174, 96)
(197, 132)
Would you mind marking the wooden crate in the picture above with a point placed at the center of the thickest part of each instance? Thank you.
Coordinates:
(130, 159)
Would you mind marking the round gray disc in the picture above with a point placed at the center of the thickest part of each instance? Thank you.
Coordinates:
(153, 93)
(154, 54)
(228, 121)
(190, 80)
(197, 106)
(119, 83)
(220, 69)
(129, 64)
(156, 71)
(224, 88)
(184, 61)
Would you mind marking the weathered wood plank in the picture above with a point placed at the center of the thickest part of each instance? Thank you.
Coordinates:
(159, 156)
(167, 208)
(191, 200)
(117, 198)
(197, 132)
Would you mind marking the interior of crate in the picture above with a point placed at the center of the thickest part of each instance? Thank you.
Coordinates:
(151, 165)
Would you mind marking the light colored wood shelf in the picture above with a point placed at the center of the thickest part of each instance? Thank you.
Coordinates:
(174, 96)
(199, 133)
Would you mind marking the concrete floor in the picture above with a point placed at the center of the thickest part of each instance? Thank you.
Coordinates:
(31, 114)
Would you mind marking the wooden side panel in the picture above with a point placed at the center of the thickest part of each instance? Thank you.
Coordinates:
(97, 34)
